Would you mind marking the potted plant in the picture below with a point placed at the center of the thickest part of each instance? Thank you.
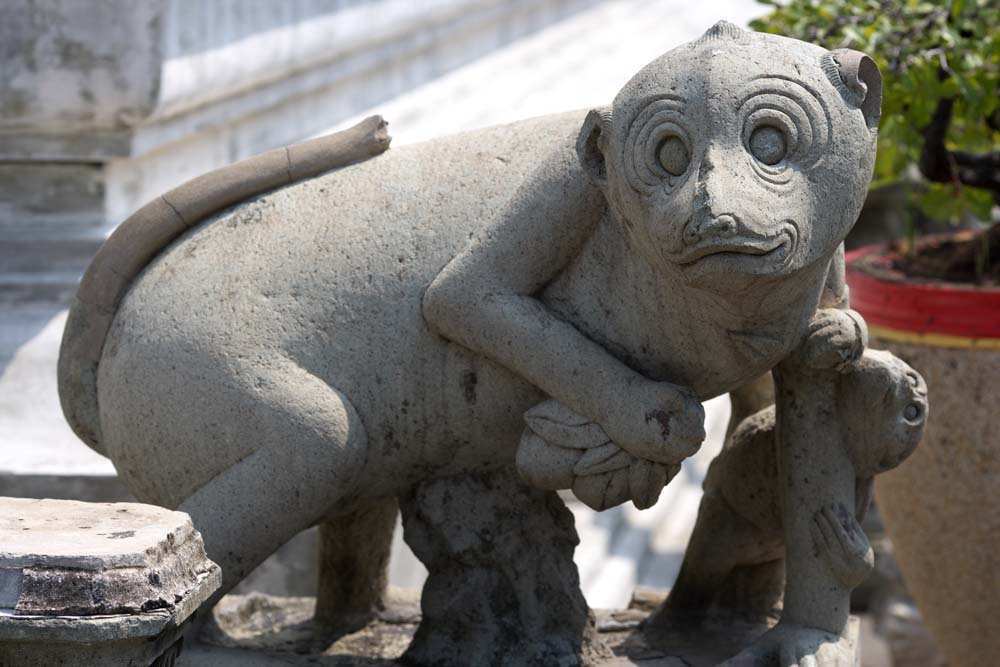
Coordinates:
(934, 300)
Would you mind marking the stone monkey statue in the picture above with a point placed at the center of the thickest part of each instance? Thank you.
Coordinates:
(328, 345)
(733, 562)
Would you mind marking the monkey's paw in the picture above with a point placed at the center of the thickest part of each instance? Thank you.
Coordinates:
(562, 450)
(796, 646)
(836, 338)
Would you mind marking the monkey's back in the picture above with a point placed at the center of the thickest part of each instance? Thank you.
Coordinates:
(327, 274)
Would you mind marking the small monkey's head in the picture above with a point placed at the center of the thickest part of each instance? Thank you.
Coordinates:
(738, 154)
(884, 404)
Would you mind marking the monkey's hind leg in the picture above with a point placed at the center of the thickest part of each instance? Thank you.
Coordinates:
(749, 399)
(353, 557)
(709, 558)
(308, 447)
(754, 591)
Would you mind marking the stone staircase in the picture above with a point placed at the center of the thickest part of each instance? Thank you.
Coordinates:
(51, 223)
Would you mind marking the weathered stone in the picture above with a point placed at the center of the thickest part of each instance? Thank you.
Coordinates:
(502, 588)
(287, 626)
(153, 227)
(269, 631)
(352, 337)
(96, 584)
(734, 565)
(354, 555)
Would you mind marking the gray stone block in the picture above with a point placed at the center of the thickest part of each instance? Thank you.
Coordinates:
(96, 584)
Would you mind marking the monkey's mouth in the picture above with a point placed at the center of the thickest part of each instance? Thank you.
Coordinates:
(735, 248)
(746, 250)
(775, 248)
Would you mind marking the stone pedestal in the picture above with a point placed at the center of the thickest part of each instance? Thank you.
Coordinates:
(97, 584)
(502, 587)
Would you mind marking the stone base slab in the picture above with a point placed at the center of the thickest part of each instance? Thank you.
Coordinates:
(268, 631)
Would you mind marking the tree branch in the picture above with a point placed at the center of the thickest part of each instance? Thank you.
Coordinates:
(938, 164)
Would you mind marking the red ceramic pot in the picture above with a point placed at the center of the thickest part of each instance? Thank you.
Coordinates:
(941, 507)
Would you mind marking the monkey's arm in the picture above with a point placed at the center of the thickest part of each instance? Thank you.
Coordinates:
(864, 490)
(484, 299)
(835, 292)
(838, 335)
(811, 448)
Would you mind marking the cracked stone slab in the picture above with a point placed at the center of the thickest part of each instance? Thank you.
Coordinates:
(96, 583)
(63, 557)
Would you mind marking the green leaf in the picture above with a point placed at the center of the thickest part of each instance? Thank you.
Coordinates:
(957, 9)
(980, 203)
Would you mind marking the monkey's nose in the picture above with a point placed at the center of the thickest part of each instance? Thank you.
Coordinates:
(721, 226)
(713, 226)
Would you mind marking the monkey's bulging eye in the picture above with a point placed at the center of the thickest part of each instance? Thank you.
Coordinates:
(657, 150)
(912, 412)
(673, 155)
(768, 144)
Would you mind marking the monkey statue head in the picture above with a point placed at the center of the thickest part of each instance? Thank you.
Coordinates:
(886, 402)
(738, 155)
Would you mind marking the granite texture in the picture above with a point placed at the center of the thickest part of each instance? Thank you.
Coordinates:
(69, 558)
(97, 584)
(269, 631)
(558, 295)
(734, 566)
(481, 604)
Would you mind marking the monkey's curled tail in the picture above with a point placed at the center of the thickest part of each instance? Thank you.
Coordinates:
(148, 231)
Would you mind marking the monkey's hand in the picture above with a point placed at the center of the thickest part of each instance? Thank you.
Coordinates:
(837, 535)
(836, 338)
(561, 449)
(656, 421)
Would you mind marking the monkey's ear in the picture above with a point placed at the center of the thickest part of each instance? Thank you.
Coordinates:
(861, 76)
(591, 144)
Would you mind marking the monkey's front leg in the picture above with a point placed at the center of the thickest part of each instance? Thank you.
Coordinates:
(815, 473)
(814, 468)
(655, 421)
(561, 449)
(485, 299)
(840, 538)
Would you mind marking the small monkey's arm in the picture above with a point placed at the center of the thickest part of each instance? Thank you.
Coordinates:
(484, 300)
(838, 536)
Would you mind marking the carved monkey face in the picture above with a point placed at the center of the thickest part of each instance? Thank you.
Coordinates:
(885, 404)
(740, 153)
